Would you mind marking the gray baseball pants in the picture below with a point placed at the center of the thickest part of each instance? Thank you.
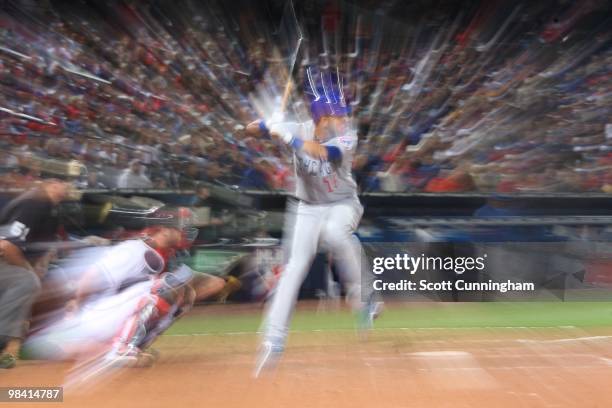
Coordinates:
(18, 289)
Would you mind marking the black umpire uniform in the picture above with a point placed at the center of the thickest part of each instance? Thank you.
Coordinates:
(36, 212)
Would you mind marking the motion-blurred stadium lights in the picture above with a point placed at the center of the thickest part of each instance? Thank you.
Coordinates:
(495, 39)
(27, 117)
(267, 100)
(15, 53)
(85, 75)
(426, 141)
(357, 46)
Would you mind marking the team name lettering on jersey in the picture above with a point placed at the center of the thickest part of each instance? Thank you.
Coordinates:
(314, 167)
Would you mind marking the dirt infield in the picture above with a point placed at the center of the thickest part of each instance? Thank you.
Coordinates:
(460, 367)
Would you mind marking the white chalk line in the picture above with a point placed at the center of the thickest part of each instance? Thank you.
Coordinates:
(291, 358)
(481, 328)
(568, 340)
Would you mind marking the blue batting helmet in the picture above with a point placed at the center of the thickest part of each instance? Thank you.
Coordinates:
(326, 95)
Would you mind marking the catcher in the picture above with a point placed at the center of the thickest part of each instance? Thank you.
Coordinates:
(124, 301)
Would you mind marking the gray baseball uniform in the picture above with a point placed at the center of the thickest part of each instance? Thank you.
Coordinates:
(320, 182)
(327, 214)
(18, 289)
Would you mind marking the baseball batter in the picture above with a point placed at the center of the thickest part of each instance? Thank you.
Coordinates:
(328, 210)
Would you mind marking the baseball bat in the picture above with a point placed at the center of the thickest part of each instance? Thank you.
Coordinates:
(289, 84)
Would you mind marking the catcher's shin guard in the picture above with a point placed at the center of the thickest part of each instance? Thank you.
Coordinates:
(150, 310)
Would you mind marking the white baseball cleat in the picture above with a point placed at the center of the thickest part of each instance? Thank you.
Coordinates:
(369, 313)
(131, 357)
(269, 354)
(376, 309)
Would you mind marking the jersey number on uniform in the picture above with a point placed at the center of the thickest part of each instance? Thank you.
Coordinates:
(331, 182)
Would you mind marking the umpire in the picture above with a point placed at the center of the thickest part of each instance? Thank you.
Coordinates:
(36, 212)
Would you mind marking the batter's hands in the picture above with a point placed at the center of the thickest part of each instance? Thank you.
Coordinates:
(253, 128)
(277, 117)
(315, 150)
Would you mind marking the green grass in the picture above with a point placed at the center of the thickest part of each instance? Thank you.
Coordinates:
(417, 315)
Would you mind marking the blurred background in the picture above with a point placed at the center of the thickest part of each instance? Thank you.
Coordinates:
(463, 109)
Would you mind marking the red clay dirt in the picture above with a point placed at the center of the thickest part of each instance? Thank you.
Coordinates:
(522, 367)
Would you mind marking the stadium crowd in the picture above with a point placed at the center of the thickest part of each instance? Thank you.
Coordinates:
(122, 96)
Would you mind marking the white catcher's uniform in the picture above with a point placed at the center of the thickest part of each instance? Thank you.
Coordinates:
(124, 278)
(327, 214)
